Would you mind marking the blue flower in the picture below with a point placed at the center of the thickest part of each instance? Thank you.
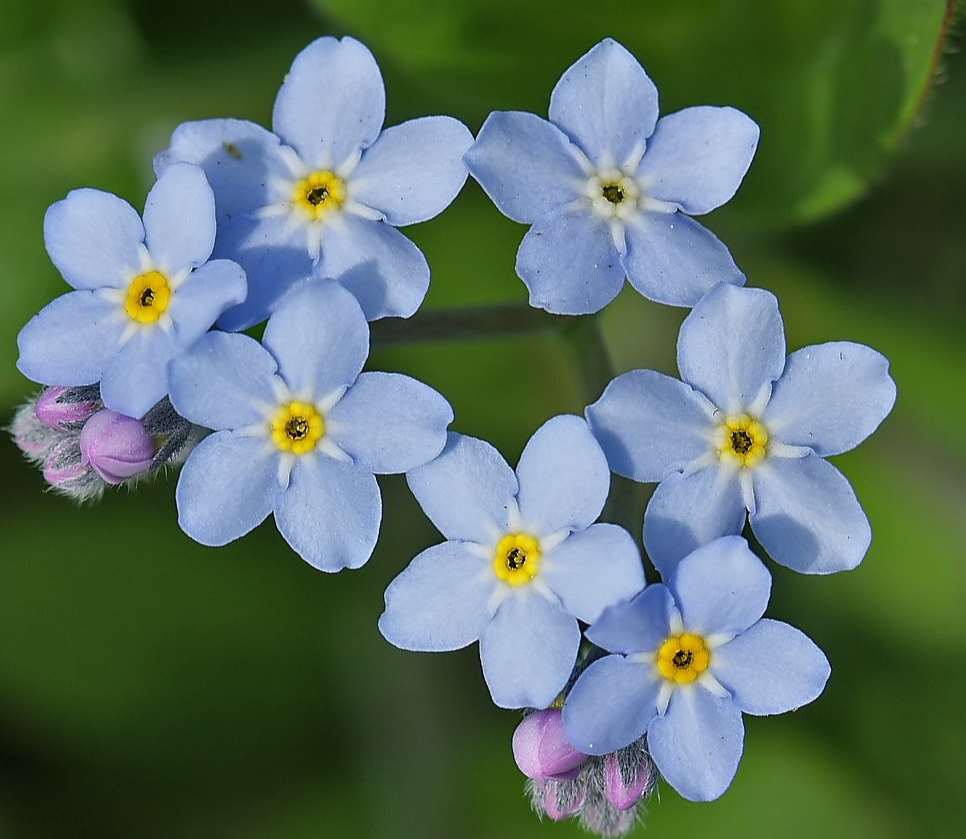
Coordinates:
(688, 659)
(523, 563)
(609, 188)
(326, 191)
(145, 291)
(299, 431)
(748, 429)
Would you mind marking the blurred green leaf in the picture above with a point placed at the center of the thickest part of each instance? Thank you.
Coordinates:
(833, 83)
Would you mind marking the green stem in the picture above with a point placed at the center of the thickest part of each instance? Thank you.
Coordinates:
(589, 357)
(587, 352)
(463, 324)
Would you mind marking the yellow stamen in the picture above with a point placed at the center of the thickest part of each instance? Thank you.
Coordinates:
(682, 658)
(742, 441)
(148, 297)
(297, 427)
(517, 558)
(319, 194)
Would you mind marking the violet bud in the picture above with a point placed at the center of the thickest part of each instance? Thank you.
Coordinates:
(563, 798)
(628, 778)
(63, 415)
(541, 750)
(64, 464)
(117, 447)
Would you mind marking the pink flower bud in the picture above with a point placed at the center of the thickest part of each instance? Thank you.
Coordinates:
(625, 788)
(59, 415)
(63, 464)
(116, 446)
(541, 750)
(563, 798)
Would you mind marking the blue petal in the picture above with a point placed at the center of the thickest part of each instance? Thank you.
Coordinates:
(639, 626)
(467, 491)
(319, 337)
(721, 587)
(330, 513)
(527, 166)
(593, 569)
(697, 744)
(227, 487)
(136, 378)
(606, 103)
(332, 103)
(442, 601)
(274, 260)
(179, 218)
(414, 170)
(94, 238)
(697, 157)
(732, 345)
(772, 668)
(563, 477)
(203, 296)
(528, 651)
(686, 511)
(650, 425)
(239, 158)
(389, 423)
(569, 263)
(808, 517)
(830, 397)
(70, 340)
(223, 381)
(611, 705)
(386, 272)
(674, 260)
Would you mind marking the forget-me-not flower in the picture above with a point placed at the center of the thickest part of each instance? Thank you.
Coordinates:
(329, 187)
(610, 189)
(748, 429)
(688, 659)
(523, 563)
(299, 431)
(145, 291)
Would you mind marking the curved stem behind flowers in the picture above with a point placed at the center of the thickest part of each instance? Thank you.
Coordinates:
(463, 324)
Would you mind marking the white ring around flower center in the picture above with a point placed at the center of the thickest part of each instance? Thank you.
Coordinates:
(613, 194)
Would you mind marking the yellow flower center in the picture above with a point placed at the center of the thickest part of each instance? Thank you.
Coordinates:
(148, 297)
(319, 194)
(613, 192)
(742, 441)
(682, 658)
(517, 558)
(297, 427)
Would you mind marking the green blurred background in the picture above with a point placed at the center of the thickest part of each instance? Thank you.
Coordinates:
(150, 687)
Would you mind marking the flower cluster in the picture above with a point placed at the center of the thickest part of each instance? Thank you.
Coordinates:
(622, 681)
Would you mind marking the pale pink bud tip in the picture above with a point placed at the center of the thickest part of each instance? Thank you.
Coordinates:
(563, 799)
(59, 415)
(625, 789)
(541, 750)
(63, 464)
(117, 447)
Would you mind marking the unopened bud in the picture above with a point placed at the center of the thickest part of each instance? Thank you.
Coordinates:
(31, 436)
(563, 798)
(629, 775)
(117, 447)
(58, 408)
(64, 464)
(541, 750)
